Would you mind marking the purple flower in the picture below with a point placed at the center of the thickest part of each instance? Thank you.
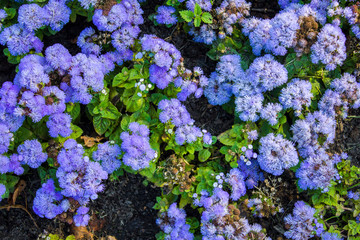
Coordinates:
(125, 36)
(108, 154)
(174, 111)
(284, 27)
(165, 15)
(270, 112)
(81, 218)
(31, 153)
(316, 171)
(86, 43)
(5, 138)
(330, 47)
(135, 144)
(252, 173)
(48, 202)
(173, 223)
(315, 132)
(58, 57)
(204, 4)
(249, 106)
(267, 73)
(296, 95)
(300, 222)
(20, 40)
(31, 16)
(57, 14)
(276, 154)
(187, 133)
(236, 181)
(59, 124)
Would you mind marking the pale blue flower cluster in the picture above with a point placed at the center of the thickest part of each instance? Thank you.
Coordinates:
(276, 154)
(173, 224)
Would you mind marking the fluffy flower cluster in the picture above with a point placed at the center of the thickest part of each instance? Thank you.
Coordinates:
(11, 164)
(345, 93)
(120, 26)
(166, 60)
(296, 95)
(302, 223)
(81, 218)
(282, 34)
(237, 183)
(135, 144)
(173, 224)
(315, 132)
(317, 171)
(173, 111)
(5, 138)
(258, 32)
(31, 153)
(276, 154)
(108, 155)
(329, 48)
(48, 202)
(270, 112)
(59, 124)
(252, 173)
(165, 15)
(78, 177)
(219, 220)
(219, 87)
(20, 38)
(191, 82)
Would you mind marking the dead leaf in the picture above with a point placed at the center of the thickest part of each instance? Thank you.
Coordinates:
(20, 186)
(81, 233)
(96, 224)
(90, 141)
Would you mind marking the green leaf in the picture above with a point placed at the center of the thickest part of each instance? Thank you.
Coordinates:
(125, 121)
(101, 125)
(197, 10)
(135, 104)
(190, 149)
(73, 16)
(110, 112)
(206, 17)
(71, 237)
(204, 155)
(197, 21)
(227, 138)
(73, 109)
(187, 15)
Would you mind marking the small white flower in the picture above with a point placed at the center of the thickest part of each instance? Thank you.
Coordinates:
(250, 146)
(220, 186)
(103, 91)
(112, 142)
(217, 177)
(12, 139)
(204, 131)
(136, 84)
(221, 174)
(170, 131)
(248, 163)
(149, 85)
(194, 195)
(254, 155)
(215, 184)
(141, 80)
(139, 94)
(142, 87)
(86, 159)
(155, 155)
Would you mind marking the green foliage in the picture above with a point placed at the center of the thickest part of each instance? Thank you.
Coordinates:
(197, 16)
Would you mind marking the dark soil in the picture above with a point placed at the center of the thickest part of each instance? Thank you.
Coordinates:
(348, 136)
(126, 206)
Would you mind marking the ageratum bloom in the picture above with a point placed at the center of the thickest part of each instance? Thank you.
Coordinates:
(276, 154)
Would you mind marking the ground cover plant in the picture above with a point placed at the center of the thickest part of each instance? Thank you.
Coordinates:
(122, 104)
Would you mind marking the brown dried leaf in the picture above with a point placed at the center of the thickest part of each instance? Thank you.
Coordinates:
(20, 186)
(81, 233)
(90, 141)
(96, 224)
